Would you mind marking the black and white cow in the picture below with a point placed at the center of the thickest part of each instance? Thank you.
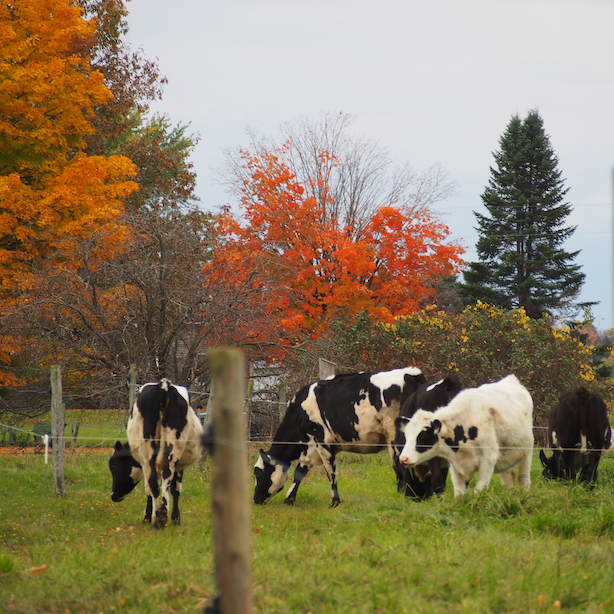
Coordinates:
(352, 413)
(164, 437)
(428, 478)
(487, 430)
(578, 432)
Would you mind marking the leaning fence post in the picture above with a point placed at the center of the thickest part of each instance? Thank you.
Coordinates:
(282, 398)
(131, 387)
(229, 492)
(58, 425)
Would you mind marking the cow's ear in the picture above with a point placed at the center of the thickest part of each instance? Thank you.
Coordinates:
(401, 421)
(266, 459)
(543, 458)
(118, 446)
(436, 425)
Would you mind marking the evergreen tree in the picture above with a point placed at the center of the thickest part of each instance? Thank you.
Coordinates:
(521, 259)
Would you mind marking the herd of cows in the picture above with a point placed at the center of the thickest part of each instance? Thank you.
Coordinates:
(429, 430)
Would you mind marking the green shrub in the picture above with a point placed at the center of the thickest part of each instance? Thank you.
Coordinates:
(483, 343)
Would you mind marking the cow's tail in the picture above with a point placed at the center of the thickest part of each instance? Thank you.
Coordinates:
(163, 390)
(585, 400)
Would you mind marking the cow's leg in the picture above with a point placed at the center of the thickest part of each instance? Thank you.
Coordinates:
(561, 470)
(524, 470)
(458, 482)
(175, 493)
(299, 473)
(569, 464)
(485, 471)
(148, 507)
(152, 489)
(445, 468)
(589, 466)
(507, 478)
(328, 460)
(437, 476)
(167, 470)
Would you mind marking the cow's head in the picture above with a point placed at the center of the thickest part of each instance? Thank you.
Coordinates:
(126, 471)
(270, 475)
(552, 467)
(422, 440)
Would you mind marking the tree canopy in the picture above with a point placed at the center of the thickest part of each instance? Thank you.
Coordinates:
(319, 257)
(522, 262)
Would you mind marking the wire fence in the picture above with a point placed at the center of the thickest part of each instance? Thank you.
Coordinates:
(105, 441)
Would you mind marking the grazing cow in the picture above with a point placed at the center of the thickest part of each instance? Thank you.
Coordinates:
(425, 479)
(353, 413)
(486, 429)
(578, 432)
(164, 437)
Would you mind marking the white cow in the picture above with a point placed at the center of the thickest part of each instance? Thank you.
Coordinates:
(487, 430)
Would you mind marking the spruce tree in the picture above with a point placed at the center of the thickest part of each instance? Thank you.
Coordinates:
(521, 259)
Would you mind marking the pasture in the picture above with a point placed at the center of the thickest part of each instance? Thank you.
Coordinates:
(500, 551)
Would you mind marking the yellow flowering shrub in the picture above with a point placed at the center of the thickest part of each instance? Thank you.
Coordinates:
(483, 343)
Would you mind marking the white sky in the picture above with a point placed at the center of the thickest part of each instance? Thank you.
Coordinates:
(429, 80)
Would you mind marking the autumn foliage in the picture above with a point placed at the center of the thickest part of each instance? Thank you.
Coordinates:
(314, 269)
(482, 343)
(50, 189)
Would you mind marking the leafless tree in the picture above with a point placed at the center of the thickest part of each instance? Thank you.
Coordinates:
(349, 176)
(150, 305)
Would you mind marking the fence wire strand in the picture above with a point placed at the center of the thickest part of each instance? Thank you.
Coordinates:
(269, 442)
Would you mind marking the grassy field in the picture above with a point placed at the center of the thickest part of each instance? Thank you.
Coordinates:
(500, 551)
(95, 428)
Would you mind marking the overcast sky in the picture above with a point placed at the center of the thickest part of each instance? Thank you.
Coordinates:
(429, 80)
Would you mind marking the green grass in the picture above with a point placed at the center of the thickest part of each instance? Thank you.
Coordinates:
(500, 551)
(97, 428)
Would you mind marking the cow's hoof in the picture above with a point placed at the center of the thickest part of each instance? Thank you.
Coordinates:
(289, 502)
(335, 503)
(176, 522)
(161, 519)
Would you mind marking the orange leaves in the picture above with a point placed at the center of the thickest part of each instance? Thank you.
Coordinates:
(313, 267)
(411, 257)
(47, 90)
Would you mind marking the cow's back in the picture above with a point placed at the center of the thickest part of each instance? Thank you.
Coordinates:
(502, 413)
(580, 416)
(163, 414)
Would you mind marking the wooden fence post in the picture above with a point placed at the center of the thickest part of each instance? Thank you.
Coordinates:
(326, 368)
(132, 387)
(58, 424)
(229, 493)
(282, 398)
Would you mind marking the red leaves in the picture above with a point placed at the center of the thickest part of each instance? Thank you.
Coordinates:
(312, 268)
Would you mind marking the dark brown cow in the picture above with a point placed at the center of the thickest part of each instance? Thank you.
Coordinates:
(578, 432)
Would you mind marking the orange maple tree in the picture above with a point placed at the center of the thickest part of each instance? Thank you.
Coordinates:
(49, 188)
(310, 268)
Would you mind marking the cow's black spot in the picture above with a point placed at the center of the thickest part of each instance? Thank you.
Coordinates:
(393, 393)
(472, 432)
(426, 439)
(459, 436)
